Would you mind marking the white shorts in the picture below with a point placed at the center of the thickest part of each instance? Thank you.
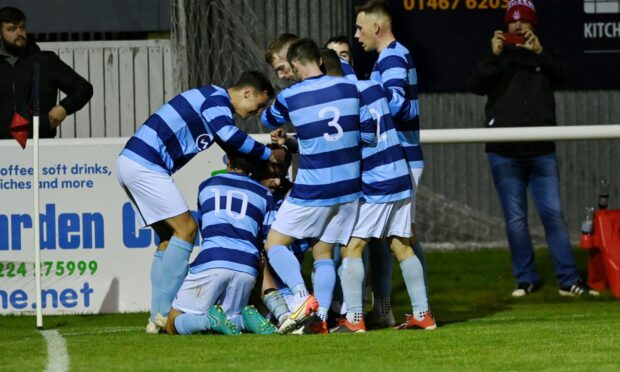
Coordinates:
(229, 288)
(332, 224)
(381, 220)
(154, 194)
(416, 173)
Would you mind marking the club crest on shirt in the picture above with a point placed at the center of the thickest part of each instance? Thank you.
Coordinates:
(204, 141)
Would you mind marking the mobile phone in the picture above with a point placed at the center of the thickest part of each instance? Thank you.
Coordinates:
(513, 38)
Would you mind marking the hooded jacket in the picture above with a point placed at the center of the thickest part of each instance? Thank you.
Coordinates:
(519, 85)
(15, 88)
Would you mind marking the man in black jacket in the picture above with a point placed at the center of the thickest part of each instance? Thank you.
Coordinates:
(17, 57)
(519, 77)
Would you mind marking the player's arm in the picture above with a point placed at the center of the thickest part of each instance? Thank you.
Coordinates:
(289, 141)
(219, 118)
(368, 125)
(394, 77)
(277, 115)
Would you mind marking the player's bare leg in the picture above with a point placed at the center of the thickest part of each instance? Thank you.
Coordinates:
(170, 329)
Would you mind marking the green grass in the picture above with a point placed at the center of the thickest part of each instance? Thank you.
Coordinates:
(481, 328)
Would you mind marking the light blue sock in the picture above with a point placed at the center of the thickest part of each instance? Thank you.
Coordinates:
(413, 274)
(188, 324)
(275, 303)
(421, 255)
(352, 280)
(324, 282)
(157, 278)
(287, 267)
(174, 266)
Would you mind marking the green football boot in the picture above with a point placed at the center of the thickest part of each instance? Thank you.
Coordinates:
(219, 323)
(256, 323)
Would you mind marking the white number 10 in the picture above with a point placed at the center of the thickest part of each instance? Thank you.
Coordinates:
(229, 197)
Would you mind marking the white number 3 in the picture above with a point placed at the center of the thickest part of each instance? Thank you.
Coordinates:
(332, 123)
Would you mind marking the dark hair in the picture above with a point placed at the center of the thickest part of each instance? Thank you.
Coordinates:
(280, 42)
(243, 162)
(331, 62)
(256, 80)
(266, 170)
(379, 7)
(304, 50)
(9, 14)
(340, 39)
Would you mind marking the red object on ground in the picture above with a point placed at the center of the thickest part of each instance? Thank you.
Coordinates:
(604, 246)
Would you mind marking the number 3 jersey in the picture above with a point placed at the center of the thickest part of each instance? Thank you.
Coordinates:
(330, 119)
(184, 126)
(235, 215)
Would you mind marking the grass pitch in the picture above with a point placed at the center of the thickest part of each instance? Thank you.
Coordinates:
(480, 328)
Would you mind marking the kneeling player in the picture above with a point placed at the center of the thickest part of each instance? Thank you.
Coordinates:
(384, 213)
(235, 211)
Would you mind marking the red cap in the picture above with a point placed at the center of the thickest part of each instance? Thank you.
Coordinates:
(521, 10)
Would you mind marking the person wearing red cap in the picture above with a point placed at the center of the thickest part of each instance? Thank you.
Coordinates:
(519, 77)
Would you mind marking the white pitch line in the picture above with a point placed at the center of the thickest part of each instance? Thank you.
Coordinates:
(57, 355)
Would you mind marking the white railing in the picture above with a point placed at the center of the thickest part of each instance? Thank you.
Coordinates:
(555, 133)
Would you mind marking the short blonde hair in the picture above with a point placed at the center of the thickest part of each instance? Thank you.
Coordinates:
(278, 44)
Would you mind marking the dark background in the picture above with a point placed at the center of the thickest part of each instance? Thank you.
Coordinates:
(446, 44)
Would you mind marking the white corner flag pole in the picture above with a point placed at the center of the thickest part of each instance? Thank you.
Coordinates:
(36, 219)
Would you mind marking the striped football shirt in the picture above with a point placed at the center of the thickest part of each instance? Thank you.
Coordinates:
(184, 126)
(385, 173)
(235, 214)
(325, 112)
(395, 70)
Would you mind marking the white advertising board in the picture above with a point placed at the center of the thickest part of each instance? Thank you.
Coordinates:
(94, 258)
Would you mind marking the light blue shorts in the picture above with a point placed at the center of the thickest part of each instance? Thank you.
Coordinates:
(229, 288)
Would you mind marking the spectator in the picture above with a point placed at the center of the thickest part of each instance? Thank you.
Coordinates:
(18, 54)
(519, 77)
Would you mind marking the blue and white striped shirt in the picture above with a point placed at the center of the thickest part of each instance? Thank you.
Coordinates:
(184, 126)
(395, 70)
(235, 214)
(326, 113)
(385, 173)
(347, 70)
